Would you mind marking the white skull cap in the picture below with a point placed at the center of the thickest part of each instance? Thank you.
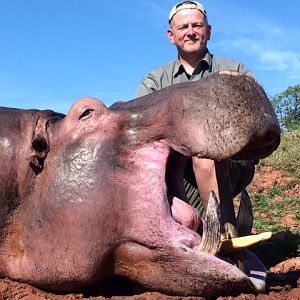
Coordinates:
(186, 5)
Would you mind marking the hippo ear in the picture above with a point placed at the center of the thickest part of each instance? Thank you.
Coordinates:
(39, 145)
(40, 148)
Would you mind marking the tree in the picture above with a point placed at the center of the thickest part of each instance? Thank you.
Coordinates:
(287, 108)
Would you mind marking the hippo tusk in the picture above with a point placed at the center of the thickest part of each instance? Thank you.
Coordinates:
(244, 220)
(238, 243)
(244, 226)
(216, 243)
(212, 227)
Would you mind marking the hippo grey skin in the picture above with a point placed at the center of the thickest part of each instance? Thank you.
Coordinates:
(84, 197)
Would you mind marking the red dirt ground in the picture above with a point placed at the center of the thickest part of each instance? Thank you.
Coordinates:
(283, 281)
(266, 179)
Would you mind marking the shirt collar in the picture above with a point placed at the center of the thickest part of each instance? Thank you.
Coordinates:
(203, 64)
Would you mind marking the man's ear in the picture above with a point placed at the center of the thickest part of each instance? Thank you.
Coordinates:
(170, 35)
(208, 32)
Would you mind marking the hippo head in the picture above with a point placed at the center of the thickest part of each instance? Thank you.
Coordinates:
(85, 194)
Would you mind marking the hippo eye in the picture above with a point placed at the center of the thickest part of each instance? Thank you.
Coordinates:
(86, 113)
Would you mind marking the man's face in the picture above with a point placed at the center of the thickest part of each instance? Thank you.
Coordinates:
(189, 31)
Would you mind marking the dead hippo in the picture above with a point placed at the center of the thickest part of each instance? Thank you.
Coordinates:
(83, 196)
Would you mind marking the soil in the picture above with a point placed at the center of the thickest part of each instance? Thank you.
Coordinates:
(266, 179)
(283, 281)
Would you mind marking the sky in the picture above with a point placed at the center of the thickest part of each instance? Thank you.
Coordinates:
(53, 52)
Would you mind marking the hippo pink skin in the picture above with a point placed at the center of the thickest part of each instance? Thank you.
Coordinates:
(84, 197)
(185, 214)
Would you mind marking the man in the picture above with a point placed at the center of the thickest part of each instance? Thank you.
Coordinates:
(189, 31)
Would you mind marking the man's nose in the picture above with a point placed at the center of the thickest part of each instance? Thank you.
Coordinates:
(190, 30)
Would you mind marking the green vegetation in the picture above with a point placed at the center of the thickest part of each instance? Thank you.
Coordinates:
(287, 108)
(277, 208)
(269, 213)
(271, 206)
(287, 156)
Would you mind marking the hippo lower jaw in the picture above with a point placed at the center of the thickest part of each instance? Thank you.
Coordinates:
(179, 271)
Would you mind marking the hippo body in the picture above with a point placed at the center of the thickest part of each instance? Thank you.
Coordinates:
(83, 196)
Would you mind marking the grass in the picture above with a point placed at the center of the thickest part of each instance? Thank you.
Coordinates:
(287, 156)
(271, 207)
(269, 214)
(273, 204)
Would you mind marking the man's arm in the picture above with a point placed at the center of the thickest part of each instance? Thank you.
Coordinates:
(244, 70)
(148, 85)
(205, 175)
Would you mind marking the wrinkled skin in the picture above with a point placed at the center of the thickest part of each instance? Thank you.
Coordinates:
(84, 198)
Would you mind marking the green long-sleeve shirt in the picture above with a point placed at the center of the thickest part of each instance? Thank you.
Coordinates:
(173, 73)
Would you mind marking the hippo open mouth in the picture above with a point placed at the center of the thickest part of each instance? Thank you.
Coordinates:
(224, 139)
(96, 194)
(188, 242)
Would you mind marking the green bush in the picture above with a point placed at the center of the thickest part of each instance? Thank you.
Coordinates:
(287, 108)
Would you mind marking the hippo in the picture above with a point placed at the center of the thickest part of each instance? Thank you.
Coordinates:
(84, 196)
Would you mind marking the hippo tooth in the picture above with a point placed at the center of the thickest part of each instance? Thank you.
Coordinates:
(239, 243)
(212, 227)
(216, 243)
